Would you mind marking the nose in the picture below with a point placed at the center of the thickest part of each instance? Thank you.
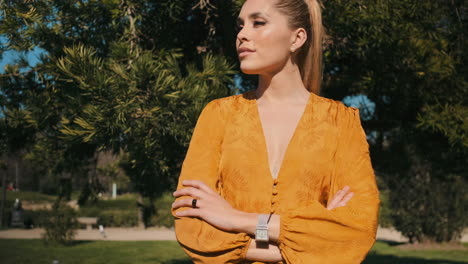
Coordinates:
(242, 35)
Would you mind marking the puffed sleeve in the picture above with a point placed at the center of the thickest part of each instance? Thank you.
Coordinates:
(203, 242)
(313, 234)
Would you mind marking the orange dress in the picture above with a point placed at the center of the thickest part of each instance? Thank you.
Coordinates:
(327, 151)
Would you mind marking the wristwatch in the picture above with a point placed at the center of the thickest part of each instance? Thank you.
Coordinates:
(261, 233)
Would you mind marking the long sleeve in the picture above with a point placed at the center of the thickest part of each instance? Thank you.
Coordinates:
(313, 234)
(203, 242)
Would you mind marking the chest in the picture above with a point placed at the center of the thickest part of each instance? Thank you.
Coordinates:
(306, 165)
(278, 126)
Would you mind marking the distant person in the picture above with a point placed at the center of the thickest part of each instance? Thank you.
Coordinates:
(278, 174)
(10, 187)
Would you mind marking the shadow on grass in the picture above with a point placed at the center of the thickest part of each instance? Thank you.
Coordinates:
(389, 259)
(371, 259)
(177, 261)
(391, 242)
(69, 245)
(81, 242)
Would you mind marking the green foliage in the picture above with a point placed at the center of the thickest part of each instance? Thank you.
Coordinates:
(427, 204)
(118, 218)
(144, 108)
(433, 209)
(163, 215)
(121, 212)
(61, 225)
(31, 197)
(119, 76)
(408, 58)
(385, 213)
(36, 218)
(450, 120)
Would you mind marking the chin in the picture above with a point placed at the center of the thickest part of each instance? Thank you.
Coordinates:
(249, 69)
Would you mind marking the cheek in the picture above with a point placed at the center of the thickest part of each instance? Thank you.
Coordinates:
(272, 52)
(272, 46)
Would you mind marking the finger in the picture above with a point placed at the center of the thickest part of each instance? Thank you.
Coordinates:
(198, 184)
(189, 191)
(341, 193)
(188, 212)
(332, 203)
(185, 203)
(337, 198)
(346, 199)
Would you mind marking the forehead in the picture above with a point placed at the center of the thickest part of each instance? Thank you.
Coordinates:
(258, 8)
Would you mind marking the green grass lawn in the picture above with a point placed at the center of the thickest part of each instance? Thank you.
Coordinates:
(385, 253)
(169, 252)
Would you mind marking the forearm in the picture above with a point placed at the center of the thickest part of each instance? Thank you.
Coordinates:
(264, 254)
(247, 223)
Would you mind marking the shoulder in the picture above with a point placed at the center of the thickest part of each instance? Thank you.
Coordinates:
(336, 112)
(228, 104)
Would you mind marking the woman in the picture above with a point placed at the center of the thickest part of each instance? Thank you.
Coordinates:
(278, 174)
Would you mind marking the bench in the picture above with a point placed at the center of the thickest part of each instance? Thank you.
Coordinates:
(88, 221)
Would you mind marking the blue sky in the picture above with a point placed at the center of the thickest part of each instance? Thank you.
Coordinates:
(10, 56)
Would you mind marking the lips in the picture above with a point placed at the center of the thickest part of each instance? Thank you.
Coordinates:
(244, 51)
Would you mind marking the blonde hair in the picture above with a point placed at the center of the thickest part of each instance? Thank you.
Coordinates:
(307, 14)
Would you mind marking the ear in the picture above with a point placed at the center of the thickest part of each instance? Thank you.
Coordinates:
(298, 38)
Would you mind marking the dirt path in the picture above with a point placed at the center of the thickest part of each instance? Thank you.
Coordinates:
(133, 234)
(124, 234)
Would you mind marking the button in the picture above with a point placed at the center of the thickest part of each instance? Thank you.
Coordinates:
(275, 191)
(275, 182)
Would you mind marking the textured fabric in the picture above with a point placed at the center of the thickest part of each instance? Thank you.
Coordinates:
(327, 151)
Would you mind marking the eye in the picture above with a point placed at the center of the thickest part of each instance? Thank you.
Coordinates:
(259, 23)
(239, 27)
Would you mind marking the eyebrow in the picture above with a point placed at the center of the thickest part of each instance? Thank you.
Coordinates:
(251, 16)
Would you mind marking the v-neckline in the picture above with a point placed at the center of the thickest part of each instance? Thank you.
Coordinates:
(266, 155)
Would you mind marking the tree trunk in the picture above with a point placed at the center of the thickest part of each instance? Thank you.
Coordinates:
(2, 210)
(141, 224)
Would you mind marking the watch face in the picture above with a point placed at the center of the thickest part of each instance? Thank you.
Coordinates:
(262, 235)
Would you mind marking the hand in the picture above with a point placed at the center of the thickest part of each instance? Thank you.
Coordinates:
(340, 198)
(211, 207)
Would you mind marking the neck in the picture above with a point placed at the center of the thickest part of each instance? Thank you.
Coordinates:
(283, 87)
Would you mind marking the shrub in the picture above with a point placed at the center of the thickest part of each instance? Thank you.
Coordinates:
(118, 218)
(29, 196)
(36, 218)
(60, 226)
(163, 215)
(385, 214)
(426, 208)
(121, 212)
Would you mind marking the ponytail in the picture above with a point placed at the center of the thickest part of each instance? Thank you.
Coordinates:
(307, 14)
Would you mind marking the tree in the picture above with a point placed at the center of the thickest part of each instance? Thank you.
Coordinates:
(133, 76)
(408, 58)
(115, 78)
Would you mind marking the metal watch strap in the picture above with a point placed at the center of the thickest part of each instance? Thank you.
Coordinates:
(261, 234)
